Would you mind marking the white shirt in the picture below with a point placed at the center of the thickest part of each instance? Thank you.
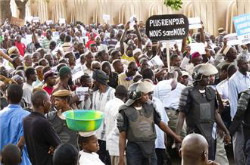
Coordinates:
(169, 98)
(99, 101)
(222, 88)
(112, 133)
(27, 92)
(89, 159)
(237, 84)
(87, 70)
(102, 47)
(159, 141)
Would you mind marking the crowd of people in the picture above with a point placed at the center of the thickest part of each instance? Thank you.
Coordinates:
(195, 103)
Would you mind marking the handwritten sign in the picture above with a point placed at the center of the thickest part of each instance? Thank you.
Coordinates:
(167, 27)
(242, 27)
(106, 18)
(194, 23)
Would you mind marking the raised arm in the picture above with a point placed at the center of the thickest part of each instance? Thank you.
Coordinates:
(123, 38)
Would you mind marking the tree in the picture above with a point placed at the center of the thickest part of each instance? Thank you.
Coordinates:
(5, 11)
(21, 5)
(173, 4)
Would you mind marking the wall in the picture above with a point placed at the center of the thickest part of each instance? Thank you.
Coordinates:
(214, 13)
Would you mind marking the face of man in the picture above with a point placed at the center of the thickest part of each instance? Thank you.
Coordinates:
(243, 66)
(51, 81)
(47, 104)
(89, 58)
(132, 70)
(81, 48)
(118, 67)
(197, 60)
(28, 61)
(176, 62)
(145, 97)
(60, 103)
(205, 80)
(87, 83)
(35, 57)
(231, 55)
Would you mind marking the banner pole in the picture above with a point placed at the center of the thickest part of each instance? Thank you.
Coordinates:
(168, 55)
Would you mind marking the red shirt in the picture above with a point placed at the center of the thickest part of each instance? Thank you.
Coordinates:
(89, 43)
(21, 47)
(49, 90)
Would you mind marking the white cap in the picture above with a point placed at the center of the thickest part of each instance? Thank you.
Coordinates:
(87, 134)
(145, 87)
(137, 50)
(206, 69)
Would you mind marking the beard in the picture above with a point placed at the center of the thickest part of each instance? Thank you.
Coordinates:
(70, 82)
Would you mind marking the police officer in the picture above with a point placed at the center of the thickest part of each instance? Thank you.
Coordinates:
(198, 105)
(135, 122)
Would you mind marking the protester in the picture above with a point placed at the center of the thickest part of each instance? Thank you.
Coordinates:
(112, 110)
(239, 82)
(40, 137)
(194, 150)
(56, 118)
(11, 127)
(123, 55)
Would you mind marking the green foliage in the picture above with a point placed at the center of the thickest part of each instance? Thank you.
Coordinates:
(173, 4)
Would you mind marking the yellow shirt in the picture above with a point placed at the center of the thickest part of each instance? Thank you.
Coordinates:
(122, 80)
(125, 57)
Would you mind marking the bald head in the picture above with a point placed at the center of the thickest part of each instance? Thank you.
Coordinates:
(194, 150)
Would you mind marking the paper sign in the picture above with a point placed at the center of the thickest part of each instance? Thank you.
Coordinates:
(242, 27)
(49, 22)
(29, 19)
(36, 19)
(17, 21)
(81, 92)
(194, 23)
(132, 21)
(106, 18)
(197, 47)
(156, 61)
(62, 21)
(232, 39)
(167, 27)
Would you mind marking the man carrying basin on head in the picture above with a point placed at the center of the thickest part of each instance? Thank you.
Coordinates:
(57, 119)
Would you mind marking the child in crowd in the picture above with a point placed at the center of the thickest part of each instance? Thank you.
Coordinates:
(11, 155)
(65, 154)
(88, 143)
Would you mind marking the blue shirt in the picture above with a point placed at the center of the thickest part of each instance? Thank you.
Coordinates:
(237, 84)
(11, 128)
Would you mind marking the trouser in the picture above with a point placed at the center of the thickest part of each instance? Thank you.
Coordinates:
(221, 155)
(115, 160)
(103, 153)
(135, 156)
(173, 118)
(238, 147)
(248, 152)
(162, 157)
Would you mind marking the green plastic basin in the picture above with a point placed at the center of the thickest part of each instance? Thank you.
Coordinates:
(83, 120)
